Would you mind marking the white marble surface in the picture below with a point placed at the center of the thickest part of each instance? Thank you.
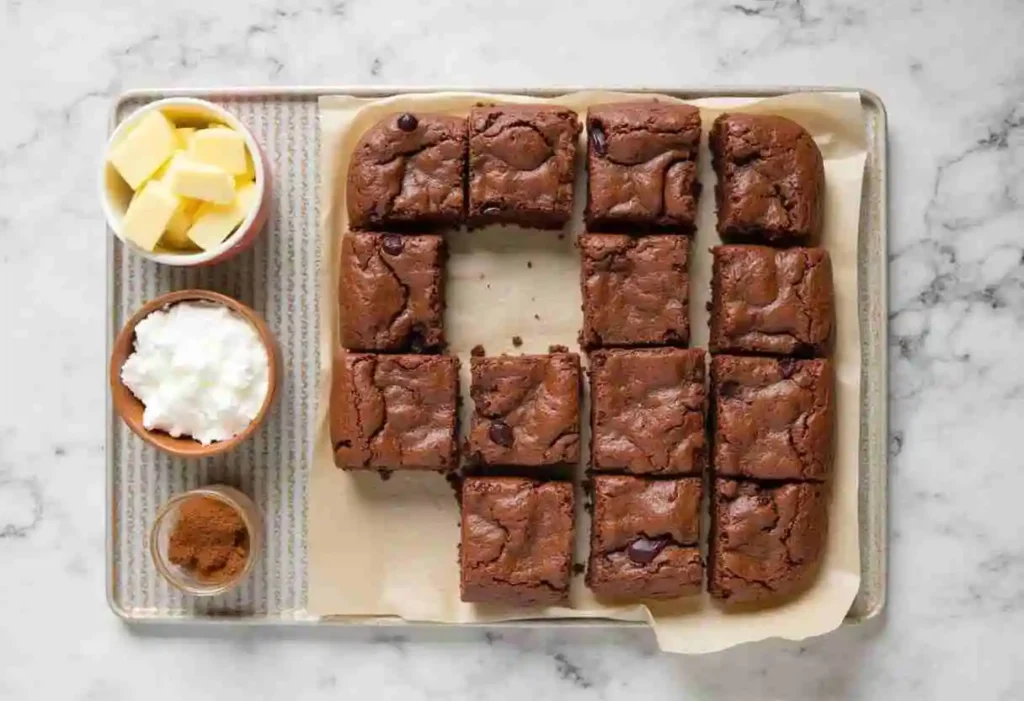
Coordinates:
(952, 75)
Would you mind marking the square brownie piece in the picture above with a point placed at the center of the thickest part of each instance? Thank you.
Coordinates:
(644, 536)
(636, 290)
(772, 418)
(774, 301)
(516, 543)
(394, 412)
(766, 540)
(771, 180)
(392, 292)
(647, 411)
(642, 166)
(408, 170)
(527, 410)
(522, 165)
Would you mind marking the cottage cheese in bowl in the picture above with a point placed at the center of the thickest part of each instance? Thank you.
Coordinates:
(200, 370)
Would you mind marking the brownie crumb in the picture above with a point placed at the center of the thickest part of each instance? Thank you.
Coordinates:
(558, 349)
(384, 475)
(517, 341)
(478, 351)
(529, 264)
(537, 317)
(578, 568)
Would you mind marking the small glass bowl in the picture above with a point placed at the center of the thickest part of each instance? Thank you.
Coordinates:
(159, 539)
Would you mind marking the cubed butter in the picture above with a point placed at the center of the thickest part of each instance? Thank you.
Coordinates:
(149, 214)
(215, 222)
(163, 171)
(201, 181)
(184, 135)
(249, 175)
(146, 147)
(220, 147)
(176, 234)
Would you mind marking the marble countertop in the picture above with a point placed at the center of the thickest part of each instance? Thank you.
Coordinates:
(952, 75)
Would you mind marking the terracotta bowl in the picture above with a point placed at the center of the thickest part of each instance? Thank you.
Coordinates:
(130, 409)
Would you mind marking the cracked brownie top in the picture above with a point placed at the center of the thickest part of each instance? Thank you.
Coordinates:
(766, 300)
(642, 165)
(772, 418)
(635, 290)
(648, 411)
(644, 537)
(408, 170)
(766, 540)
(391, 292)
(527, 410)
(394, 411)
(521, 165)
(516, 540)
(771, 179)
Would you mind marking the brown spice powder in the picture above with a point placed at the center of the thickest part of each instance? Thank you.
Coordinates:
(209, 540)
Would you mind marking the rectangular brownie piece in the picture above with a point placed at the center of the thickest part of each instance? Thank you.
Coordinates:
(527, 410)
(392, 292)
(647, 411)
(642, 166)
(772, 418)
(766, 540)
(408, 170)
(394, 412)
(774, 301)
(644, 538)
(516, 545)
(636, 290)
(522, 165)
(771, 180)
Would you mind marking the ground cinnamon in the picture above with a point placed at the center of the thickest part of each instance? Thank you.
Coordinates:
(209, 540)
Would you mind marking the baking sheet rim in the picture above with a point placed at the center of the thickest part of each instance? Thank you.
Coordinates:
(875, 476)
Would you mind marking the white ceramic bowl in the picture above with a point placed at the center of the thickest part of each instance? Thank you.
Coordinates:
(115, 194)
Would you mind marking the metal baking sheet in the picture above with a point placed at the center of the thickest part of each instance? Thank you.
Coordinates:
(278, 277)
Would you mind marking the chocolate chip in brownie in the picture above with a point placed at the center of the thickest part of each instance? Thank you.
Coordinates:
(597, 138)
(643, 550)
(407, 122)
(393, 244)
(501, 433)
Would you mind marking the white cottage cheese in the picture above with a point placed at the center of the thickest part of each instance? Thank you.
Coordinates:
(200, 370)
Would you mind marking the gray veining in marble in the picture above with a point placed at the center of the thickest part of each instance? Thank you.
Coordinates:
(952, 75)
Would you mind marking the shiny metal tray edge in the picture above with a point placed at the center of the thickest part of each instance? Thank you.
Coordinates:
(873, 286)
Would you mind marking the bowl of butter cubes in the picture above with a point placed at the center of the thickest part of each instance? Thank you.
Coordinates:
(185, 183)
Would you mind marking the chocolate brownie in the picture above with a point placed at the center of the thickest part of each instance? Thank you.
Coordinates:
(766, 539)
(771, 179)
(647, 413)
(774, 301)
(636, 290)
(527, 410)
(408, 169)
(392, 292)
(642, 165)
(394, 412)
(516, 541)
(522, 165)
(643, 540)
(772, 418)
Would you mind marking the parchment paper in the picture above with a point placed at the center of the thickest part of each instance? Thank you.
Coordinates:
(390, 548)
